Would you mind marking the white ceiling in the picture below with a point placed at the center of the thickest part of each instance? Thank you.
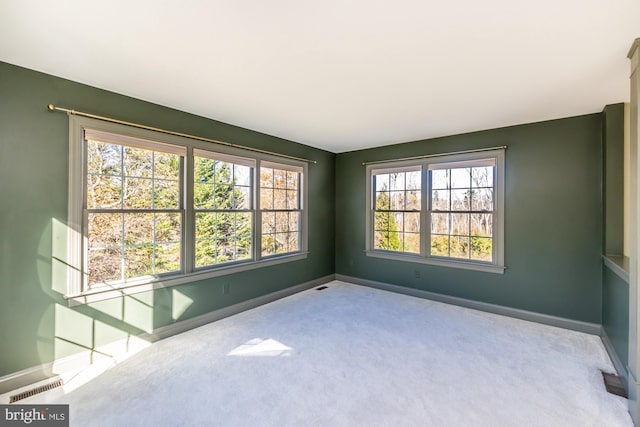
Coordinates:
(336, 74)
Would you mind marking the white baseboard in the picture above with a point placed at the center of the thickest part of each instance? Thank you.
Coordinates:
(576, 325)
(103, 357)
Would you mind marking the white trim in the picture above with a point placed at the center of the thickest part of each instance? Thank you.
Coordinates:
(128, 141)
(545, 319)
(213, 155)
(441, 262)
(152, 283)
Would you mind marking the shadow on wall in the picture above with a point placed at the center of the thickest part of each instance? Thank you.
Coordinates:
(104, 332)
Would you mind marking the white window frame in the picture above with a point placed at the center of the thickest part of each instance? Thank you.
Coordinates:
(441, 162)
(77, 291)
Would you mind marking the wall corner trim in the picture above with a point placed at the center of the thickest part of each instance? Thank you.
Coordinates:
(81, 360)
(546, 319)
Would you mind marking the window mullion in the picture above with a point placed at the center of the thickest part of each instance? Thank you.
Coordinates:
(186, 177)
(425, 218)
(257, 213)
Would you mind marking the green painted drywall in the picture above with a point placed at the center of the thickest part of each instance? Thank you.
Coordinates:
(615, 313)
(36, 324)
(553, 220)
(613, 178)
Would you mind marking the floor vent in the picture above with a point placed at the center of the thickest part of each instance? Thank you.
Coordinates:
(613, 384)
(321, 288)
(41, 389)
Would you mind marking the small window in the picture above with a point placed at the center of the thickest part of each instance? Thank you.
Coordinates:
(397, 208)
(280, 207)
(445, 210)
(223, 205)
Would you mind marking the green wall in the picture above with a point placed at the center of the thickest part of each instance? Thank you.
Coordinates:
(553, 220)
(36, 324)
(615, 314)
(613, 178)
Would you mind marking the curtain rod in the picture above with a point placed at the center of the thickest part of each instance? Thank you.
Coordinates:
(426, 156)
(53, 107)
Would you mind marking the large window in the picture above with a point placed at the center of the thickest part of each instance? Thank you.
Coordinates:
(148, 209)
(444, 210)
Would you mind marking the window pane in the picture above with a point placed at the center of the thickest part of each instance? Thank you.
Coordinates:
(138, 162)
(138, 228)
(222, 196)
(397, 200)
(280, 178)
(138, 261)
(439, 245)
(166, 166)
(104, 159)
(293, 180)
(282, 222)
(412, 242)
(382, 182)
(206, 225)
(203, 196)
(460, 224)
(205, 252)
(279, 199)
(223, 173)
(168, 227)
(293, 242)
(481, 248)
(461, 178)
(137, 193)
(482, 199)
(294, 221)
(268, 222)
(105, 230)
(482, 177)
(242, 175)
(460, 200)
(440, 223)
(482, 225)
(268, 244)
(459, 247)
(166, 194)
(413, 180)
(412, 222)
(292, 200)
(167, 257)
(105, 265)
(242, 197)
(266, 198)
(383, 201)
(396, 181)
(104, 192)
(440, 179)
(266, 177)
(413, 201)
(203, 170)
(440, 200)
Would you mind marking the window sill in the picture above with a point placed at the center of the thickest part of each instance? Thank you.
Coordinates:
(466, 265)
(151, 283)
(618, 264)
